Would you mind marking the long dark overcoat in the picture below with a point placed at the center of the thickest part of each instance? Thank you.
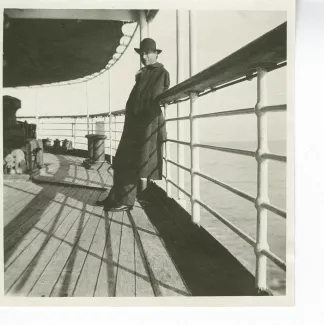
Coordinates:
(140, 151)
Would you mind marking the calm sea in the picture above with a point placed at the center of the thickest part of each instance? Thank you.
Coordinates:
(241, 173)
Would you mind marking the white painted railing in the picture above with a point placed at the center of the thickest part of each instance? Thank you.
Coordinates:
(75, 128)
(255, 60)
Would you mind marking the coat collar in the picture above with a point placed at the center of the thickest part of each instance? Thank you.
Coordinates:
(155, 65)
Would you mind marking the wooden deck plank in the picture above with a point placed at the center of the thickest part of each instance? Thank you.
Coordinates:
(106, 283)
(19, 203)
(72, 171)
(33, 220)
(56, 171)
(143, 285)
(53, 193)
(79, 172)
(13, 195)
(11, 188)
(88, 279)
(91, 177)
(98, 179)
(36, 217)
(105, 178)
(7, 194)
(32, 211)
(59, 248)
(166, 280)
(46, 219)
(66, 246)
(78, 177)
(125, 283)
(68, 279)
(16, 184)
(61, 173)
(39, 247)
(85, 284)
(32, 228)
(69, 172)
(83, 175)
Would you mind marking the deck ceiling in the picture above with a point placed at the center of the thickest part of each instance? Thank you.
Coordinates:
(46, 46)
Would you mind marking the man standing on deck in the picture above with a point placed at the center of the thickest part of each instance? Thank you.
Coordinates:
(140, 151)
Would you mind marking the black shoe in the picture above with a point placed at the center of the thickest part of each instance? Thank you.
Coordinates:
(100, 203)
(118, 208)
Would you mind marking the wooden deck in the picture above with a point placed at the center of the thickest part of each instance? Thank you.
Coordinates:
(59, 244)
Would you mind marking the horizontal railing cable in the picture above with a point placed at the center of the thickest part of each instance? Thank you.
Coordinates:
(275, 259)
(225, 149)
(177, 119)
(275, 209)
(178, 141)
(275, 108)
(176, 164)
(57, 129)
(272, 156)
(228, 187)
(229, 224)
(56, 135)
(242, 111)
(177, 186)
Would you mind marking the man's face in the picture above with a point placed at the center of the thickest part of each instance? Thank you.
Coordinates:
(149, 57)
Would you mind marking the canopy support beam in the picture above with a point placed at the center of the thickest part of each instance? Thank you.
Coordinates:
(81, 14)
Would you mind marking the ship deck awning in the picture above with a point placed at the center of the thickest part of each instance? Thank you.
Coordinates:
(58, 243)
(54, 46)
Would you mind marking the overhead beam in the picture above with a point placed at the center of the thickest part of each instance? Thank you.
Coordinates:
(150, 15)
(82, 14)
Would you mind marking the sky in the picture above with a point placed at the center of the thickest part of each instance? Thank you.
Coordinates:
(219, 33)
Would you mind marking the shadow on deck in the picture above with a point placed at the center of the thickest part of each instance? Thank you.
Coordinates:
(207, 268)
(58, 243)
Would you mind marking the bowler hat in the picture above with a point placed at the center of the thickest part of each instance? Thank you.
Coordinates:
(147, 44)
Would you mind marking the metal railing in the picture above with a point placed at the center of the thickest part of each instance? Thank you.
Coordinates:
(255, 60)
(76, 127)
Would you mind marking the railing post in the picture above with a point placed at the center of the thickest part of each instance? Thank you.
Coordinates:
(115, 133)
(144, 31)
(87, 103)
(180, 126)
(74, 132)
(105, 121)
(262, 185)
(39, 127)
(110, 138)
(194, 126)
(194, 155)
(167, 157)
(37, 115)
(110, 121)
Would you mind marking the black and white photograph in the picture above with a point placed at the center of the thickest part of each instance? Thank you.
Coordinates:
(147, 153)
